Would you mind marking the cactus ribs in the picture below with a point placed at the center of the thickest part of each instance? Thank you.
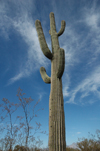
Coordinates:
(57, 140)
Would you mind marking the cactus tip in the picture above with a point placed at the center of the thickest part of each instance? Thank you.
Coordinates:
(51, 14)
(42, 69)
(37, 22)
(63, 23)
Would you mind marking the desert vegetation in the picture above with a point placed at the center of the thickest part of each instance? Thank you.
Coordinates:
(16, 130)
(88, 144)
(20, 137)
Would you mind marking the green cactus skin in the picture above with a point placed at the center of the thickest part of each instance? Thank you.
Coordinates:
(43, 43)
(61, 63)
(62, 28)
(57, 140)
(45, 77)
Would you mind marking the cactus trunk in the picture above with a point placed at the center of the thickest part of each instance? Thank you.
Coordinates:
(56, 108)
(56, 117)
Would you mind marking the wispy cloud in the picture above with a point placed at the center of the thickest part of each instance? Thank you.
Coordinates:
(5, 21)
(82, 50)
(92, 20)
(81, 41)
(40, 95)
(88, 85)
(35, 57)
(78, 132)
(24, 24)
(15, 78)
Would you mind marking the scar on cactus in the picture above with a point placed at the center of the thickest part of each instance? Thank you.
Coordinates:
(56, 108)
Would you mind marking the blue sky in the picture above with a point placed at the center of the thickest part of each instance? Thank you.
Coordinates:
(21, 59)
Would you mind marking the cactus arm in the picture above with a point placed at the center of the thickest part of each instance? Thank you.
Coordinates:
(42, 40)
(52, 24)
(63, 24)
(44, 76)
(61, 65)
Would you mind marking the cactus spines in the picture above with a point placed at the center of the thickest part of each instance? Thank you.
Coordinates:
(56, 108)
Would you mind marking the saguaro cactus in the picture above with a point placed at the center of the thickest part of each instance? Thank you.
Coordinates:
(56, 109)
